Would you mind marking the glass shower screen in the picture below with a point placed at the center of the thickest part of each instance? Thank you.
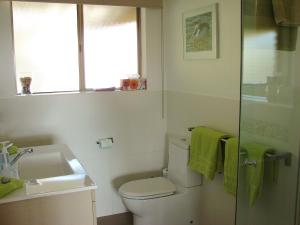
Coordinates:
(270, 114)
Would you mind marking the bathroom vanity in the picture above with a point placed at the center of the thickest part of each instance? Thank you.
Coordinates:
(57, 190)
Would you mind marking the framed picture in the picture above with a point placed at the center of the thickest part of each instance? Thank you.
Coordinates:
(200, 33)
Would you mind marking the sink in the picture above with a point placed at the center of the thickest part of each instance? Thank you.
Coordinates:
(51, 169)
(43, 165)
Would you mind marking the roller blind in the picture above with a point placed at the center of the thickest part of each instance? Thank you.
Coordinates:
(135, 3)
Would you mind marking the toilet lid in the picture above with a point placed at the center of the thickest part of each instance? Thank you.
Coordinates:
(147, 188)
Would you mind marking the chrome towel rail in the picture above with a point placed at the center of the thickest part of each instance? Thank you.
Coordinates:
(285, 156)
(270, 155)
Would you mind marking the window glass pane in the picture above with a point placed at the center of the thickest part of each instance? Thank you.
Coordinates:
(110, 45)
(46, 45)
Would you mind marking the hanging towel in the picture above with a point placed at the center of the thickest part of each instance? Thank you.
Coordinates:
(231, 165)
(286, 12)
(13, 185)
(204, 153)
(271, 172)
(265, 22)
(255, 174)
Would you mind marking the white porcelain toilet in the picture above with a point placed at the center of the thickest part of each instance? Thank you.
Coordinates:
(174, 200)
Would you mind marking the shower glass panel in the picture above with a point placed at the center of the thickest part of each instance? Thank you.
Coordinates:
(270, 114)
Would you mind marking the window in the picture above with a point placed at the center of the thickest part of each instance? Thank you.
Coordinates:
(69, 47)
(46, 46)
(259, 64)
(111, 40)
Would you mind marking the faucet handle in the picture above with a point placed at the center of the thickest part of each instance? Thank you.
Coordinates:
(6, 144)
(4, 153)
(9, 145)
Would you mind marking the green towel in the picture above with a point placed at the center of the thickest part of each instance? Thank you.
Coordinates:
(231, 165)
(255, 174)
(13, 185)
(11, 150)
(204, 155)
(274, 171)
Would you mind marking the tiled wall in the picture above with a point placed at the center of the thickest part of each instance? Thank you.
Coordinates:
(204, 92)
(133, 119)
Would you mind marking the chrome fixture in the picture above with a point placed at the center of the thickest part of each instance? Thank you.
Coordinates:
(248, 162)
(19, 155)
(270, 155)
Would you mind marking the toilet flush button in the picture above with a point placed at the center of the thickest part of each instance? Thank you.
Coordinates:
(105, 143)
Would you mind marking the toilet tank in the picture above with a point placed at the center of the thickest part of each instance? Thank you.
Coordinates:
(178, 170)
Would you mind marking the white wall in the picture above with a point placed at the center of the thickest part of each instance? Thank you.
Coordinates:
(204, 92)
(7, 82)
(134, 119)
(205, 77)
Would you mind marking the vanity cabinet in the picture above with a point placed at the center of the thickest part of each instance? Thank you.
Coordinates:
(76, 208)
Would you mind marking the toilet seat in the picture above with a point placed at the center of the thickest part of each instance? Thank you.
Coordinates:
(147, 188)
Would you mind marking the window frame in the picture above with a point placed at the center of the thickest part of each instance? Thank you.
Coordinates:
(81, 55)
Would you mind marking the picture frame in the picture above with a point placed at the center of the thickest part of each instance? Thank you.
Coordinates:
(200, 33)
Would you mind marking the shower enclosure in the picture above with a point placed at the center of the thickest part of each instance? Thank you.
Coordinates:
(270, 113)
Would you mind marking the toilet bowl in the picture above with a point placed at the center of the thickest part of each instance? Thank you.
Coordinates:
(172, 200)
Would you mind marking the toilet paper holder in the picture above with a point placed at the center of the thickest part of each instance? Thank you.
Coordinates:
(105, 142)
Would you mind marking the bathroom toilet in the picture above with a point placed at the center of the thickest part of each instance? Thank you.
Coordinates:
(171, 200)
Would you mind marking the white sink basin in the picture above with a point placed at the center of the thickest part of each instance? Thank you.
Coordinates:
(51, 169)
(43, 165)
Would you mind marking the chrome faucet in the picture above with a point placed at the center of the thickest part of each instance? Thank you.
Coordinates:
(5, 159)
(4, 153)
(19, 155)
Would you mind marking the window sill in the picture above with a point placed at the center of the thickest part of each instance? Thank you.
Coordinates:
(78, 92)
